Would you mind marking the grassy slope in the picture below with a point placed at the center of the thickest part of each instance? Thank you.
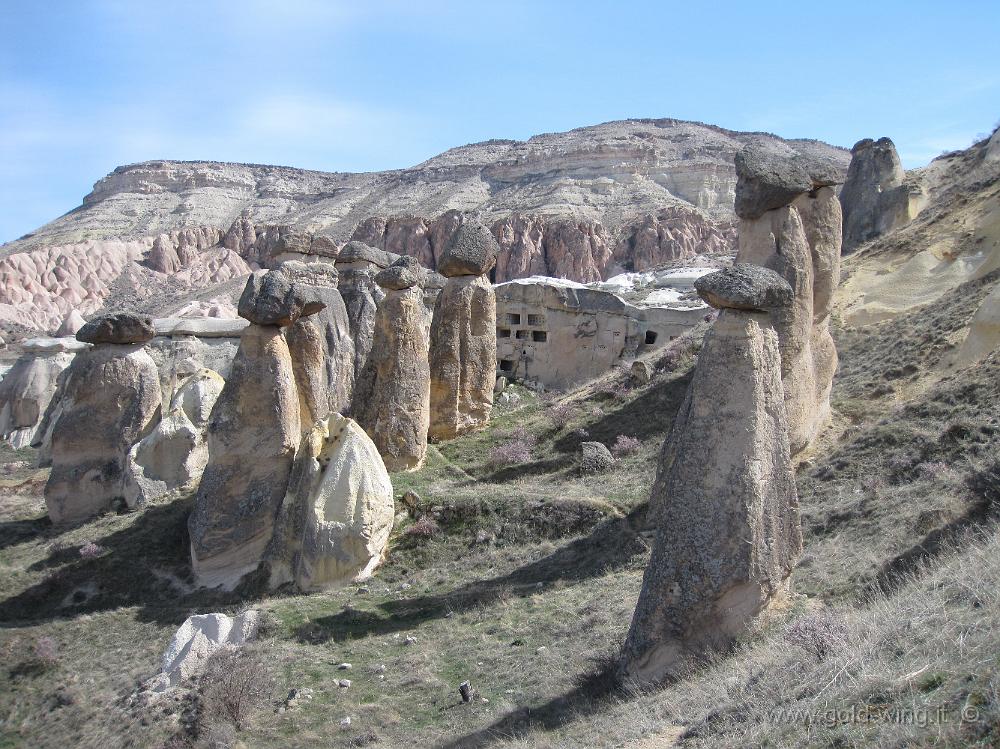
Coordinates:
(529, 585)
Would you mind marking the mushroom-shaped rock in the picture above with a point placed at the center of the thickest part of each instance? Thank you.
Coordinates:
(744, 286)
(271, 298)
(118, 327)
(471, 251)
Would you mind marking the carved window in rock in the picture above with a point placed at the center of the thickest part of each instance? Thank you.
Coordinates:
(650, 337)
(506, 365)
(521, 335)
(503, 332)
(539, 336)
(513, 318)
(536, 319)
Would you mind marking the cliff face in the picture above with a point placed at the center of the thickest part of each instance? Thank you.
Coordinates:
(582, 205)
(612, 174)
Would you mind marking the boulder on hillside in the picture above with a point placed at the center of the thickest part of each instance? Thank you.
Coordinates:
(196, 640)
(119, 327)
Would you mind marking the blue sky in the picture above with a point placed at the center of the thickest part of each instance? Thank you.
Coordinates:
(86, 85)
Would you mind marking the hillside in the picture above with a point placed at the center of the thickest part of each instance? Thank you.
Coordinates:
(521, 576)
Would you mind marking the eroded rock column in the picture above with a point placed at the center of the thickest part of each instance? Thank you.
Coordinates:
(726, 509)
(394, 405)
(111, 400)
(252, 436)
(463, 338)
(790, 222)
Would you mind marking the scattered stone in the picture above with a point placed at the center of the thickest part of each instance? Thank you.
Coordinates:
(411, 500)
(344, 683)
(345, 722)
(410, 640)
(344, 667)
(500, 385)
(640, 373)
(120, 327)
(465, 689)
(595, 457)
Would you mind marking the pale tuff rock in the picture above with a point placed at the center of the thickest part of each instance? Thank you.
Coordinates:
(111, 400)
(471, 251)
(463, 344)
(271, 298)
(175, 453)
(801, 242)
(120, 327)
(204, 327)
(26, 391)
(305, 345)
(338, 513)
(252, 435)
(877, 197)
(671, 234)
(724, 506)
(333, 326)
(393, 403)
(184, 356)
(70, 324)
(196, 640)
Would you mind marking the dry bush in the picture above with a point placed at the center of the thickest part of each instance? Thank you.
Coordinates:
(90, 550)
(45, 652)
(512, 452)
(819, 633)
(562, 414)
(625, 445)
(423, 528)
(235, 685)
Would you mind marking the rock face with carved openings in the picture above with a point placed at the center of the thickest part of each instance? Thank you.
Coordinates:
(111, 401)
(724, 503)
(463, 337)
(395, 406)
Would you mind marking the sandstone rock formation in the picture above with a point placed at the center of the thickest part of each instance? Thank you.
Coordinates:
(337, 517)
(333, 326)
(196, 640)
(800, 240)
(175, 453)
(877, 197)
(393, 405)
(463, 339)
(111, 400)
(29, 386)
(724, 502)
(357, 265)
(252, 436)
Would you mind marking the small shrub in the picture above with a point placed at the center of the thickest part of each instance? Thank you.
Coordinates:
(597, 412)
(235, 684)
(423, 528)
(625, 445)
(561, 414)
(45, 652)
(90, 550)
(512, 452)
(819, 634)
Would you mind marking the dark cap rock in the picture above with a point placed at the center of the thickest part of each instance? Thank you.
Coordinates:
(745, 286)
(471, 251)
(119, 327)
(766, 181)
(356, 252)
(396, 277)
(271, 298)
